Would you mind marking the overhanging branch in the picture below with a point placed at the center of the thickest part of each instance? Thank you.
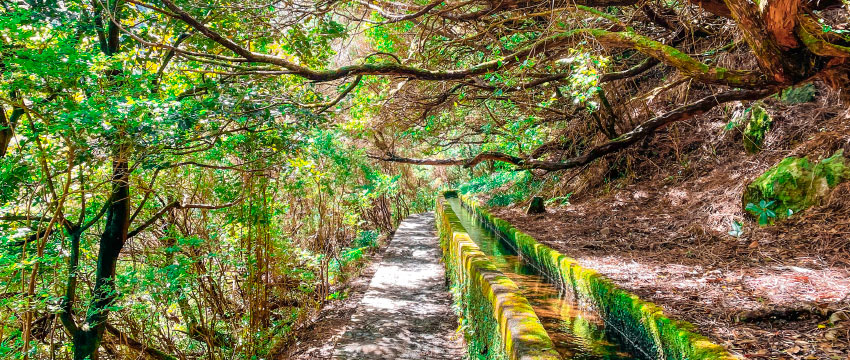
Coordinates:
(664, 53)
(623, 141)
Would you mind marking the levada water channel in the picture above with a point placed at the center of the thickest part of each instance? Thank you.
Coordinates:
(577, 333)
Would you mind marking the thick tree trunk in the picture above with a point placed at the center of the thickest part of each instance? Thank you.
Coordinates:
(754, 28)
(780, 16)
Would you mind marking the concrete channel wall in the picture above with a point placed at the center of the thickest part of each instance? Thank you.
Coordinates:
(498, 322)
(641, 325)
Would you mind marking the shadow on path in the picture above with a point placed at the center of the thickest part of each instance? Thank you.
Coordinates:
(406, 313)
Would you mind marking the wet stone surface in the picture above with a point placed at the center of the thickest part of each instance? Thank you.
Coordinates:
(406, 313)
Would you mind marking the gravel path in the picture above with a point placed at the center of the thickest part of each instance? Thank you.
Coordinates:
(406, 313)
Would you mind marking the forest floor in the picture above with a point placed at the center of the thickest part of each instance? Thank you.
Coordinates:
(778, 292)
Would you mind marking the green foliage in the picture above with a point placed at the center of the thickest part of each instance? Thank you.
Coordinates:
(757, 127)
(311, 42)
(737, 228)
(366, 238)
(503, 187)
(286, 198)
(560, 200)
(762, 211)
(337, 295)
(585, 69)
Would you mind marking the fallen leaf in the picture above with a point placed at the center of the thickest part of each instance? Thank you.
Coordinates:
(838, 316)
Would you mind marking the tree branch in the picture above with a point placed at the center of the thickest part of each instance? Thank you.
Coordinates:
(667, 54)
(641, 131)
(341, 96)
(177, 205)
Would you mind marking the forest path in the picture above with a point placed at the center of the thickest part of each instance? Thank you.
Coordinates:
(406, 313)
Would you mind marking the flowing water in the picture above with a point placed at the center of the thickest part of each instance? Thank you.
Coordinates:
(576, 333)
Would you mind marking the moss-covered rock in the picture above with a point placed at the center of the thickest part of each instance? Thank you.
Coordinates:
(795, 184)
(756, 129)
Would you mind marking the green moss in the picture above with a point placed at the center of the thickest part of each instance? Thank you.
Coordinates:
(646, 329)
(795, 184)
(833, 170)
(819, 46)
(756, 129)
(799, 94)
(499, 323)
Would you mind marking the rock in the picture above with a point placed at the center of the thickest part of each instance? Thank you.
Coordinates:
(756, 129)
(795, 184)
(536, 206)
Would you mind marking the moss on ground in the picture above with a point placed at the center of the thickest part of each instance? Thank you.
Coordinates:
(795, 184)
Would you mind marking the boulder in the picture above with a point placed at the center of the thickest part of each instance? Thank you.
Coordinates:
(795, 184)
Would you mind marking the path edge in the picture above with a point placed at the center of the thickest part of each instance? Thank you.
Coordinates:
(491, 302)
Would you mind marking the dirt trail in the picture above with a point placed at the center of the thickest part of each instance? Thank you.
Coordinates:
(406, 313)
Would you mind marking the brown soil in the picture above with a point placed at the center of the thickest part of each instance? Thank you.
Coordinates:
(317, 339)
(776, 292)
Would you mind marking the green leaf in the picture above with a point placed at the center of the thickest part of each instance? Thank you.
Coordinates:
(752, 207)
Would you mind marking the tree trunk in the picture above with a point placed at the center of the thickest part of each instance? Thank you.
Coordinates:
(768, 28)
(7, 128)
(780, 16)
(88, 337)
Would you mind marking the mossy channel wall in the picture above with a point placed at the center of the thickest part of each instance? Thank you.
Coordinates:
(498, 322)
(641, 326)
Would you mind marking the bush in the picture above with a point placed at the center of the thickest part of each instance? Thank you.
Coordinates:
(366, 238)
